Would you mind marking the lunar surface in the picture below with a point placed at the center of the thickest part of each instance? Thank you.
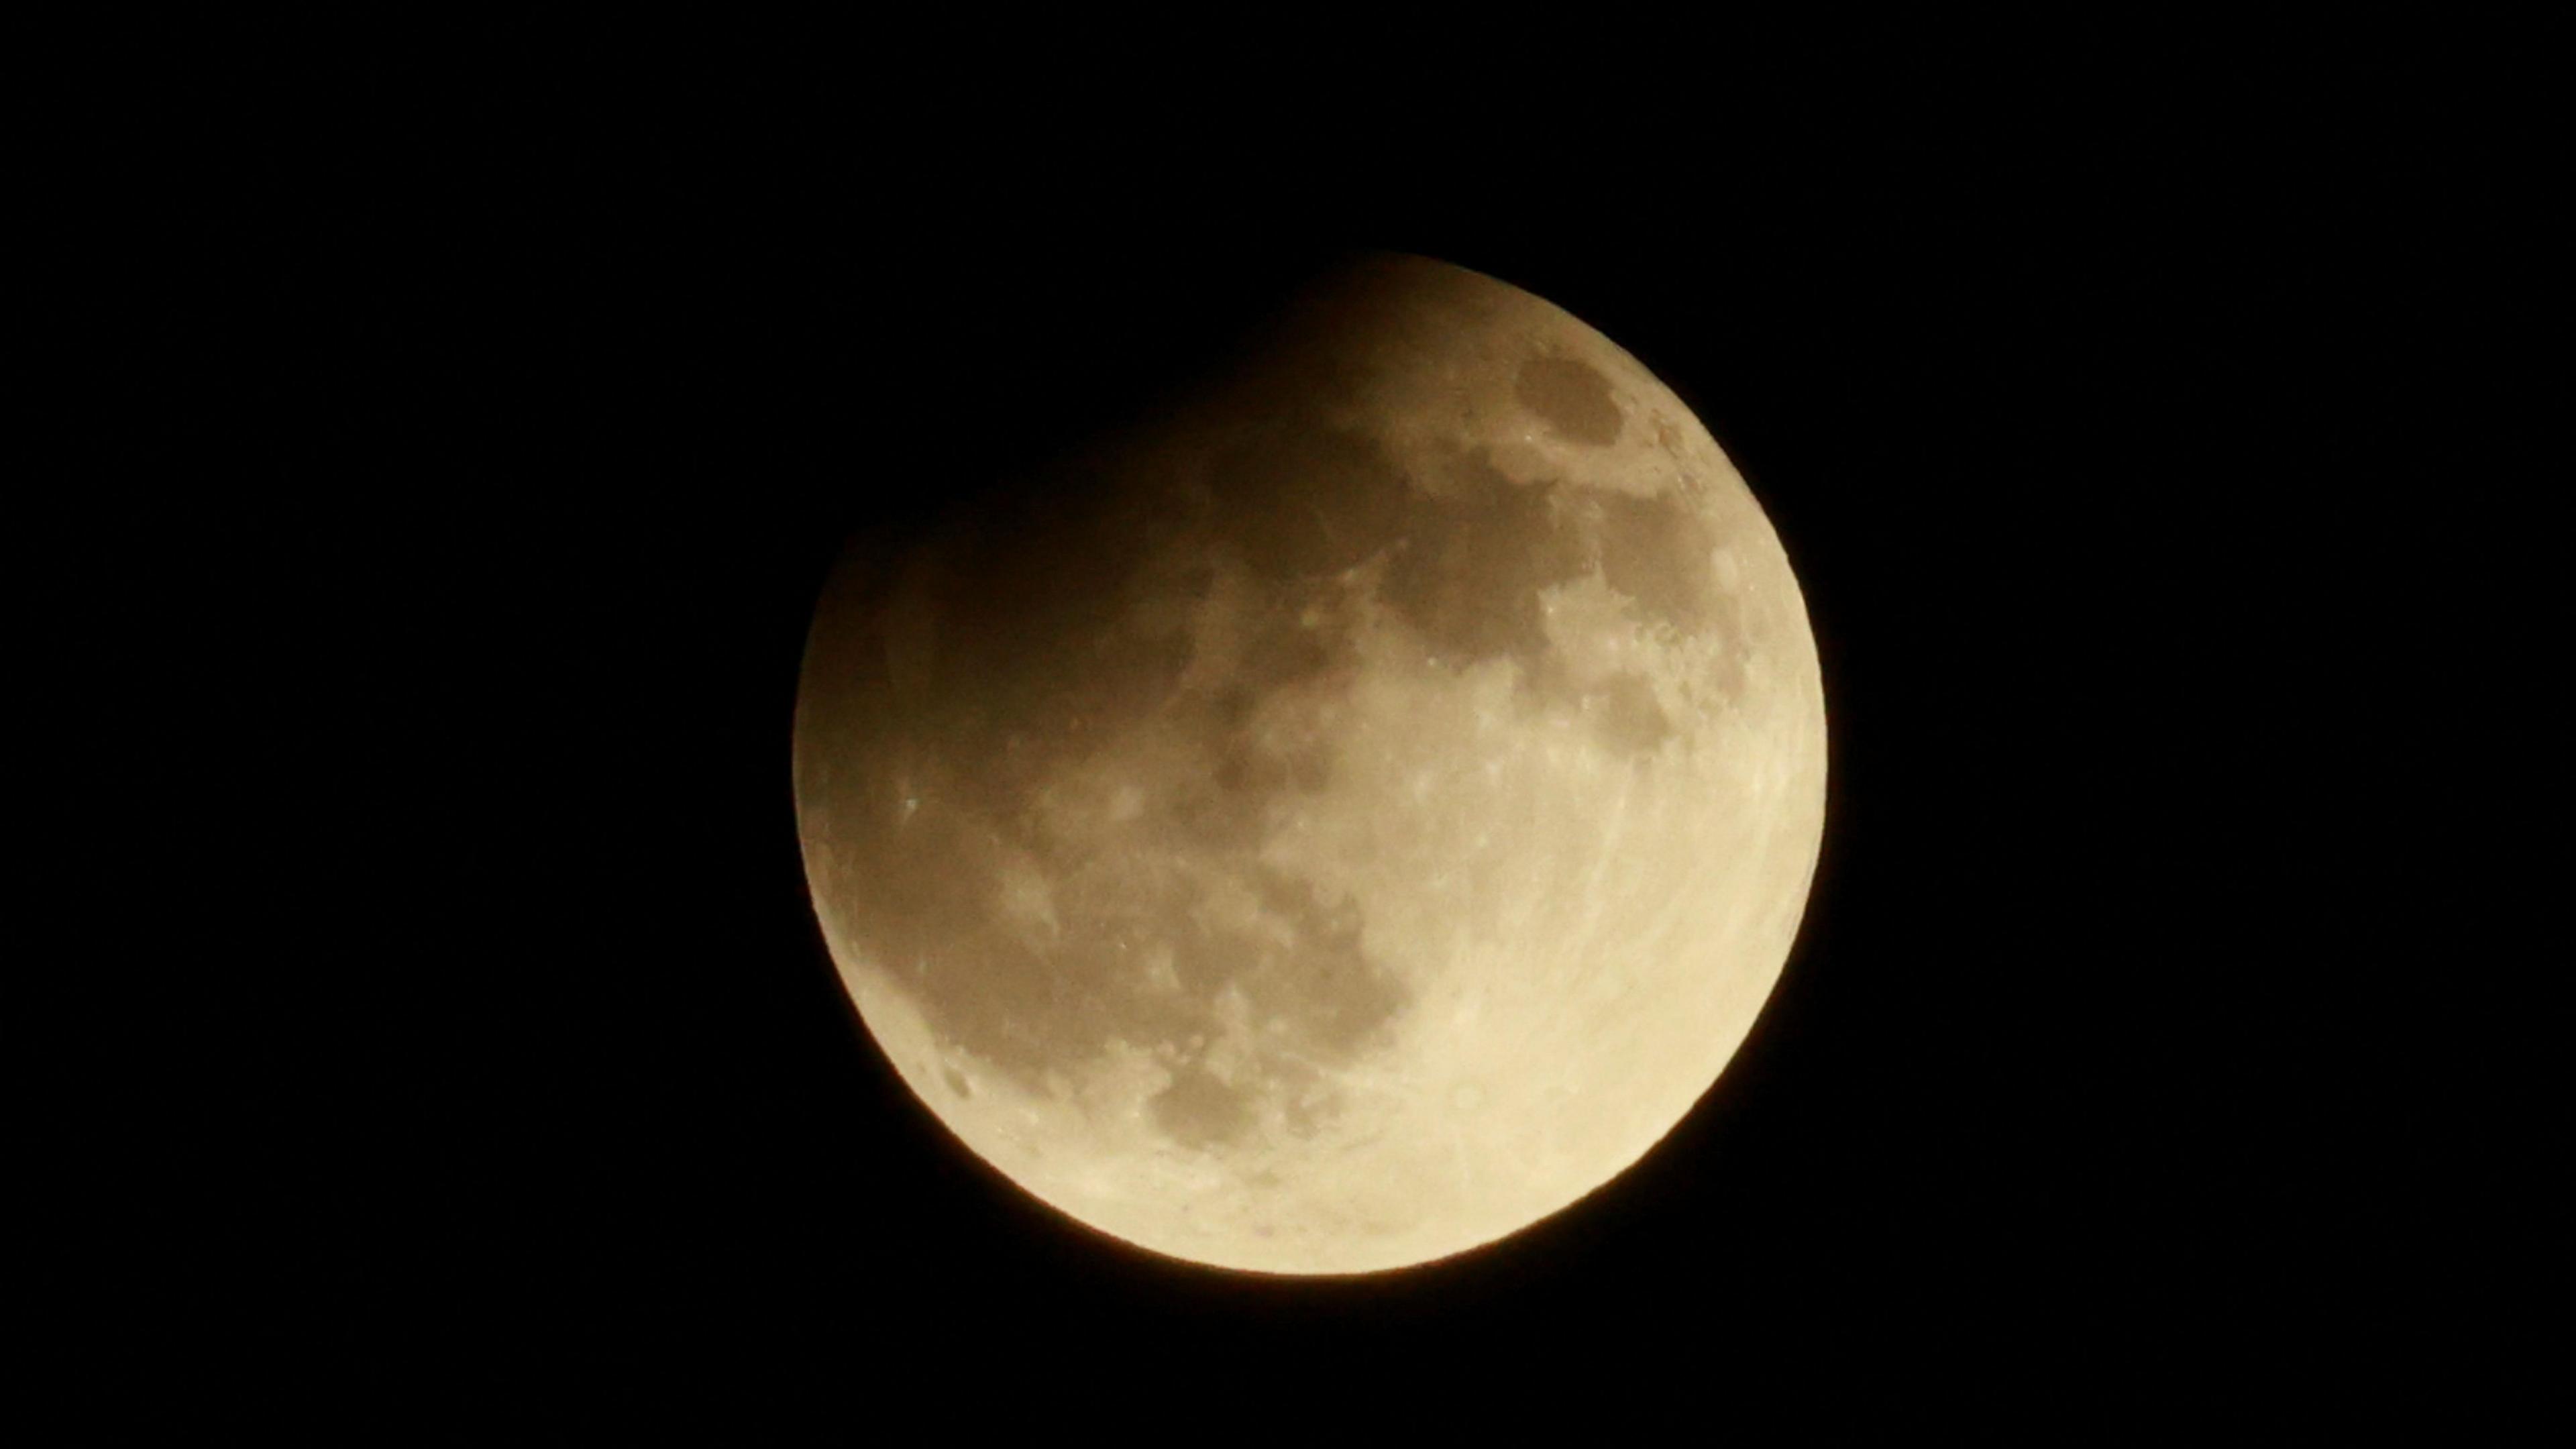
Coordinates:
(1342, 819)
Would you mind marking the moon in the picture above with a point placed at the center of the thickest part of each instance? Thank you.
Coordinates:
(1341, 818)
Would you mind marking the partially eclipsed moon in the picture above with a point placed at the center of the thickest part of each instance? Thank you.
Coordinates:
(1344, 821)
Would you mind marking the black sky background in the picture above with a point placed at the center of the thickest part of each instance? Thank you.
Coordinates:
(2111, 401)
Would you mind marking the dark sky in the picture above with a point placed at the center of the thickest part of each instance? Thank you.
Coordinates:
(2114, 408)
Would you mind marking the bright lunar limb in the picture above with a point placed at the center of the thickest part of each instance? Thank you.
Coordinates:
(1342, 820)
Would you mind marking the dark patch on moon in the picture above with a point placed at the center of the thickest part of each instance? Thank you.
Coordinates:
(1656, 551)
(1285, 650)
(1572, 399)
(1321, 978)
(1304, 501)
(1017, 643)
(1473, 561)
(1249, 764)
(1625, 714)
(1199, 1110)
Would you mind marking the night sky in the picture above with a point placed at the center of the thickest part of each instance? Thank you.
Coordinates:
(2107, 408)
